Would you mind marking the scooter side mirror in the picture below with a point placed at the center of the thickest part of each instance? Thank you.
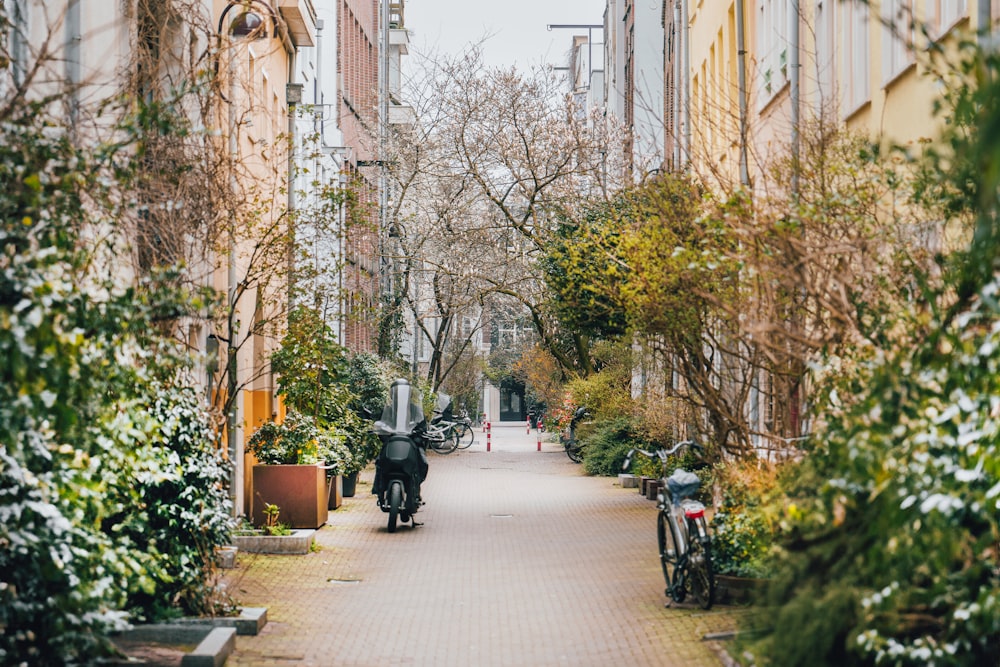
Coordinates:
(627, 465)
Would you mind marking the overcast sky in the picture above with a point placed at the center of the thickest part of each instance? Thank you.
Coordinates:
(516, 29)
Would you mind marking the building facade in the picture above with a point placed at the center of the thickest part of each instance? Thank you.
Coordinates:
(284, 76)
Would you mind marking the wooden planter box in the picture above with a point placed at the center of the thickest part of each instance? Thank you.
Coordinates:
(299, 491)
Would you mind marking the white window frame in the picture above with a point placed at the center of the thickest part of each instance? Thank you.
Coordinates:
(773, 45)
(945, 14)
(856, 47)
(897, 38)
(826, 51)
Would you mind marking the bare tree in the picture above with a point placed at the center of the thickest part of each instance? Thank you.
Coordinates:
(496, 154)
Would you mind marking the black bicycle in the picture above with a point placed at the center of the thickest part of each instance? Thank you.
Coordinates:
(573, 447)
(681, 530)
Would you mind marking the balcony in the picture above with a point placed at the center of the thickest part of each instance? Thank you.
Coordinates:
(400, 39)
(396, 15)
(300, 17)
(402, 114)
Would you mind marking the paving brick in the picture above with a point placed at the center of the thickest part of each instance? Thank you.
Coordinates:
(522, 561)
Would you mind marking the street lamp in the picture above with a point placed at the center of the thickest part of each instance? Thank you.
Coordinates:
(246, 24)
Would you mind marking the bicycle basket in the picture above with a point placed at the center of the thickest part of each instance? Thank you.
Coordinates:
(682, 484)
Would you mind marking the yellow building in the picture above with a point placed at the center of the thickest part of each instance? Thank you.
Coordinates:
(860, 65)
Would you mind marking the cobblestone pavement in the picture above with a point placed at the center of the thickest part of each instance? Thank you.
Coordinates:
(521, 560)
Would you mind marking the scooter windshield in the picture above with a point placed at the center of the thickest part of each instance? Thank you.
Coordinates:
(403, 412)
(443, 404)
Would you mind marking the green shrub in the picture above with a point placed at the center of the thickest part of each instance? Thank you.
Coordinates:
(741, 533)
(298, 440)
(893, 513)
(607, 445)
(182, 513)
(110, 494)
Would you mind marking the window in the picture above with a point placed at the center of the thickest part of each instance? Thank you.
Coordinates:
(18, 36)
(773, 28)
(825, 59)
(857, 51)
(897, 38)
(946, 13)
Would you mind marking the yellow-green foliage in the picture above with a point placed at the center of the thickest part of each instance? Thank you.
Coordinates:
(676, 260)
(607, 393)
(742, 533)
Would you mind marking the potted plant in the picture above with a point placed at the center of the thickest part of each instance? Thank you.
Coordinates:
(294, 458)
(343, 393)
(369, 384)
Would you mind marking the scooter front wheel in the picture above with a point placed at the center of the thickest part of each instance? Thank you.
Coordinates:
(395, 500)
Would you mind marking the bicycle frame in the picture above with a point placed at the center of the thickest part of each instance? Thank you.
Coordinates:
(687, 521)
(688, 564)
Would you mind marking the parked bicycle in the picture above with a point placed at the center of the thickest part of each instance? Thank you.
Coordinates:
(573, 447)
(463, 429)
(681, 530)
(441, 434)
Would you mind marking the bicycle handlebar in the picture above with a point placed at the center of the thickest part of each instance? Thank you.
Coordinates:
(661, 453)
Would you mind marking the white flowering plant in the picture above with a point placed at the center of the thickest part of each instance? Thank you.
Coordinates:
(889, 553)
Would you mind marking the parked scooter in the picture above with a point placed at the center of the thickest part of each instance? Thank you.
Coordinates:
(401, 465)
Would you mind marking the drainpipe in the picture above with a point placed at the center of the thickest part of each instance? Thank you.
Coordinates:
(318, 126)
(73, 39)
(293, 97)
(794, 67)
(984, 21)
(686, 90)
(233, 434)
(741, 59)
(378, 281)
(676, 92)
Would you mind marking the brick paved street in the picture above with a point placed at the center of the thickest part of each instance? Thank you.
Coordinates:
(522, 561)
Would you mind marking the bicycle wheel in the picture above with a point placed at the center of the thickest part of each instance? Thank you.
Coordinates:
(701, 578)
(442, 442)
(574, 450)
(448, 444)
(466, 436)
(667, 542)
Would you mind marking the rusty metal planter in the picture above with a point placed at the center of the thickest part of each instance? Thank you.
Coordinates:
(300, 492)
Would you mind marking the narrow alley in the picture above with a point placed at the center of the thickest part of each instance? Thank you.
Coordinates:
(521, 560)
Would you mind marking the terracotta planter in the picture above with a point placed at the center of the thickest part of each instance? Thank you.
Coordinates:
(300, 492)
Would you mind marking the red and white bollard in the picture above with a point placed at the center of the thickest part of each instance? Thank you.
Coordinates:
(488, 434)
(539, 440)
(527, 425)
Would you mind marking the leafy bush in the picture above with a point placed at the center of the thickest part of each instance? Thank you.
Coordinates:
(607, 393)
(298, 440)
(606, 447)
(91, 441)
(318, 378)
(185, 511)
(741, 533)
(889, 526)
(369, 381)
